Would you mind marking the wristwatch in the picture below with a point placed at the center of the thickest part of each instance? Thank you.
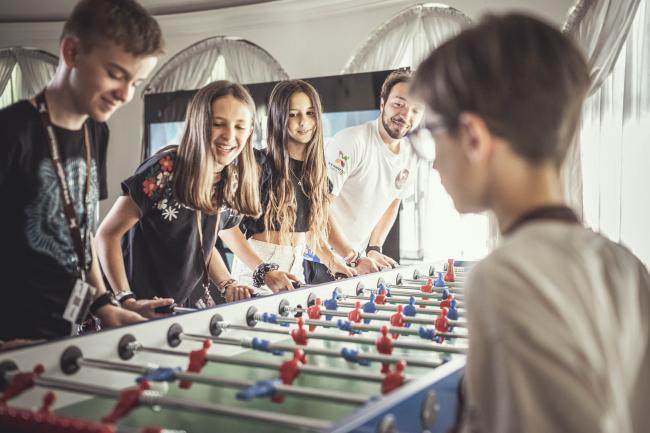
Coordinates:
(104, 299)
(124, 296)
(373, 248)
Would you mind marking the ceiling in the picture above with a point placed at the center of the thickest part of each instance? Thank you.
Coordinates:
(58, 10)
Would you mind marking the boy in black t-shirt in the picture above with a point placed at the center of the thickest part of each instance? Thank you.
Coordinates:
(107, 48)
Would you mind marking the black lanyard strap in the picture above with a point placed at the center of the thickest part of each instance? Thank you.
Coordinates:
(68, 204)
(557, 213)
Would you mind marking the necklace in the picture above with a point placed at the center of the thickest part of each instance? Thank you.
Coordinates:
(299, 179)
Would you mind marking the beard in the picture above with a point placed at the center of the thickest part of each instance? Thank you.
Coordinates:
(391, 131)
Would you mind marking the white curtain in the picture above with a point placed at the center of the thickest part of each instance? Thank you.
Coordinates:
(615, 140)
(600, 28)
(23, 73)
(407, 38)
(37, 68)
(216, 58)
(7, 63)
(429, 225)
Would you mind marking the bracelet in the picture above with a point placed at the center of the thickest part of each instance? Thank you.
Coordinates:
(352, 259)
(104, 299)
(222, 286)
(259, 275)
(121, 297)
(373, 248)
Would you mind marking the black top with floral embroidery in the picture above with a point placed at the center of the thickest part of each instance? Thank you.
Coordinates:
(161, 251)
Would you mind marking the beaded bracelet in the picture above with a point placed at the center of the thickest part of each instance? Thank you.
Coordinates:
(260, 273)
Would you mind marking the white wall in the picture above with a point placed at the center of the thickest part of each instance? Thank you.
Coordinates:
(308, 37)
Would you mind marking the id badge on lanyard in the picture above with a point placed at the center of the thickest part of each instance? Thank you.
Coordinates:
(83, 293)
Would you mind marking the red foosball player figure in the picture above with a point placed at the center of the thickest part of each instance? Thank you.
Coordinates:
(129, 400)
(314, 313)
(21, 382)
(397, 320)
(380, 299)
(427, 288)
(384, 345)
(48, 401)
(442, 323)
(446, 303)
(450, 276)
(197, 362)
(355, 315)
(289, 371)
(394, 379)
(299, 334)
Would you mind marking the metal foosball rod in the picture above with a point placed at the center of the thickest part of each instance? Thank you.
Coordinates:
(432, 290)
(380, 317)
(397, 300)
(14, 382)
(348, 326)
(332, 353)
(418, 291)
(398, 344)
(136, 347)
(150, 370)
(154, 398)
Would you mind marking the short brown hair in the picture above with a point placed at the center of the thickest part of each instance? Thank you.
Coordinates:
(398, 76)
(523, 77)
(124, 22)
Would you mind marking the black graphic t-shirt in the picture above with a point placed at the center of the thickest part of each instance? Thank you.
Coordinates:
(38, 260)
(161, 251)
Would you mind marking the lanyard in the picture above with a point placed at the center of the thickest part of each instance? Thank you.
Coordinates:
(558, 213)
(206, 262)
(68, 205)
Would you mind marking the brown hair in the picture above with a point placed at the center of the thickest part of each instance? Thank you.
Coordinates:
(522, 76)
(398, 76)
(124, 22)
(194, 170)
(281, 210)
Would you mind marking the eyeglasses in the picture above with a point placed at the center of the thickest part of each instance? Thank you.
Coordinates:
(423, 141)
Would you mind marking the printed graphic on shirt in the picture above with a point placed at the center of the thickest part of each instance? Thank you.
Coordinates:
(401, 178)
(46, 227)
(340, 162)
(157, 186)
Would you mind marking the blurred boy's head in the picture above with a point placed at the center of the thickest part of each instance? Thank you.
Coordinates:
(107, 48)
(511, 81)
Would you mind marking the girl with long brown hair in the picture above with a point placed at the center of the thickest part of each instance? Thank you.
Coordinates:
(175, 204)
(294, 188)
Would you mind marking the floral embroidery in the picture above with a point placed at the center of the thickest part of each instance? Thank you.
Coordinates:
(170, 213)
(167, 164)
(158, 188)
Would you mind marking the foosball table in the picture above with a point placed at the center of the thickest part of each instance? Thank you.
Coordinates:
(379, 353)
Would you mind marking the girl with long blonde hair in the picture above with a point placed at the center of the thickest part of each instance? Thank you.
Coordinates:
(173, 207)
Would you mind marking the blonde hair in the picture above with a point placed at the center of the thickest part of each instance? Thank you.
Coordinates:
(282, 206)
(194, 171)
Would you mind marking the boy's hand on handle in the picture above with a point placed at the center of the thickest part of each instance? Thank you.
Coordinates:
(112, 316)
(146, 307)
